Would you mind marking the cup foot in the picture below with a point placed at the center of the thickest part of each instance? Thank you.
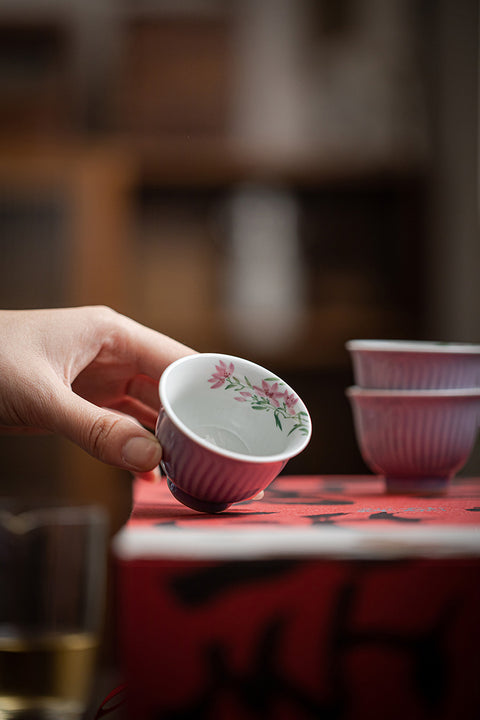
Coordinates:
(193, 502)
(401, 485)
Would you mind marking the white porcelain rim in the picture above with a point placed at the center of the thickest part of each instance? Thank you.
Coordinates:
(279, 457)
(411, 346)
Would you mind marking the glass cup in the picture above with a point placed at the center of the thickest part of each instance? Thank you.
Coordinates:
(52, 591)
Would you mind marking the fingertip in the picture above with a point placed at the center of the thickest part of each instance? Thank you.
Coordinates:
(141, 454)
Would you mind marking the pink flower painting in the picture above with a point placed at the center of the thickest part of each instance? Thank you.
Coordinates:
(223, 373)
(271, 392)
(290, 400)
(269, 397)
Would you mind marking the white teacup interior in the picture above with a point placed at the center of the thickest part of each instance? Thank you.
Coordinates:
(235, 406)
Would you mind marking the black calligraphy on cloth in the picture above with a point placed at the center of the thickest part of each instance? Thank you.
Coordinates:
(409, 657)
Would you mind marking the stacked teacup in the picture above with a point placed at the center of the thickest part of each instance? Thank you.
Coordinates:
(416, 410)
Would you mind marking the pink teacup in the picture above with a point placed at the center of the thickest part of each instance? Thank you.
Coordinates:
(417, 439)
(227, 428)
(414, 365)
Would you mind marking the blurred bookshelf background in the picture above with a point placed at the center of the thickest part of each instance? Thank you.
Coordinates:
(268, 178)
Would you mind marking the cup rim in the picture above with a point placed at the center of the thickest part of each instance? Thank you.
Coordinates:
(223, 452)
(413, 346)
(358, 391)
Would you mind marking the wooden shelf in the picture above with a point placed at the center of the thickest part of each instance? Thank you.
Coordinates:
(207, 162)
(200, 163)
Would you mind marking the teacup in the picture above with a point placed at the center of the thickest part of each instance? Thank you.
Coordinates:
(227, 427)
(417, 439)
(414, 365)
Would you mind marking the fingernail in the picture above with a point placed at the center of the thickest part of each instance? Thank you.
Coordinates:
(141, 453)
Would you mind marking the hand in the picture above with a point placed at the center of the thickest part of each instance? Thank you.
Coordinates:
(89, 374)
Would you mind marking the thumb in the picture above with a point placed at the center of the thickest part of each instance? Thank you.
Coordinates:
(108, 436)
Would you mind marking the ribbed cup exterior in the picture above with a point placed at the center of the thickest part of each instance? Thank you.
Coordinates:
(208, 475)
(397, 370)
(415, 436)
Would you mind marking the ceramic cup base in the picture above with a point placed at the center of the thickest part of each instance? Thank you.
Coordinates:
(193, 502)
(401, 485)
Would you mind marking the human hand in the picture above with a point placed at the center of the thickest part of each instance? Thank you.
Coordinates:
(89, 374)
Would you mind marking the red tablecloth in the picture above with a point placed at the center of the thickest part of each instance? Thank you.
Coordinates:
(326, 599)
(358, 501)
